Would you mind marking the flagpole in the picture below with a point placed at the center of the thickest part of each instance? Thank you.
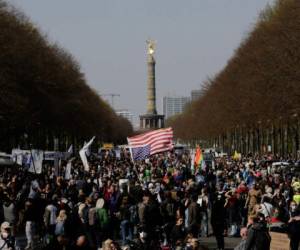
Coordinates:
(131, 155)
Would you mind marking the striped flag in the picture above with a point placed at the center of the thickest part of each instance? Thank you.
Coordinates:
(151, 143)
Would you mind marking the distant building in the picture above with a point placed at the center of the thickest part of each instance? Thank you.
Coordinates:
(195, 94)
(126, 114)
(174, 105)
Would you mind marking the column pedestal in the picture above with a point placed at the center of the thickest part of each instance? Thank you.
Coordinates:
(149, 121)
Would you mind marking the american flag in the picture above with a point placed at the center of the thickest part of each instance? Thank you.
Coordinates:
(140, 153)
(151, 143)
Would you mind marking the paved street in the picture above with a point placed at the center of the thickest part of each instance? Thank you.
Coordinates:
(210, 242)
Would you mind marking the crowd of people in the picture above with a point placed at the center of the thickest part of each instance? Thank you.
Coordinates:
(159, 203)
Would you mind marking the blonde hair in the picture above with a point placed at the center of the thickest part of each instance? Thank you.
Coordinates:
(107, 244)
(62, 216)
(80, 210)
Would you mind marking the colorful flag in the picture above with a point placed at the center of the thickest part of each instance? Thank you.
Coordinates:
(150, 143)
(198, 157)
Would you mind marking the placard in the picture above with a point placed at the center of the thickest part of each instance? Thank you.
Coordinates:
(279, 241)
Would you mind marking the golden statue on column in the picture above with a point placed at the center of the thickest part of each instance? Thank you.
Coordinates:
(151, 120)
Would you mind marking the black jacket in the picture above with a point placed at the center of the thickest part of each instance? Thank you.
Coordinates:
(177, 233)
(218, 211)
(258, 237)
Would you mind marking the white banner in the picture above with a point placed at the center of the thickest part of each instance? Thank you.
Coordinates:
(19, 156)
(36, 163)
(83, 152)
(68, 169)
(192, 160)
(118, 153)
(52, 155)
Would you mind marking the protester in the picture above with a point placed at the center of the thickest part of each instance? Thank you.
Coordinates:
(294, 225)
(7, 241)
(31, 225)
(276, 223)
(178, 233)
(253, 198)
(60, 223)
(296, 197)
(242, 244)
(203, 202)
(258, 236)
(218, 216)
(154, 203)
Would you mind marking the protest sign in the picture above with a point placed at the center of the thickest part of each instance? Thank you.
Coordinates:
(279, 241)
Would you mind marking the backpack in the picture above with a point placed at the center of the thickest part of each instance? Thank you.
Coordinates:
(85, 215)
(102, 218)
(134, 217)
(170, 209)
(92, 216)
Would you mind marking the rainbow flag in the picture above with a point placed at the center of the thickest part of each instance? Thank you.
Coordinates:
(198, 157)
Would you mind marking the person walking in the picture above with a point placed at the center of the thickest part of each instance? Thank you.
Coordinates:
(30, 223)
(60, 223)
(178, 233)
(253, 198)
(102, 220)
(50, 217)
(243, 233)
(126, 227)
(294, 225)
(218, 216)
(203, 204)
(194, 216)
(258, 234)
(7, 241)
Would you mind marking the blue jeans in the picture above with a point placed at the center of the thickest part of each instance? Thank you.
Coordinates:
(204, 224)
(126, 230)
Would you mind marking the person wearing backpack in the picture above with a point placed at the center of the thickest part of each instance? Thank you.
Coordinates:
(134, 216)
(60, 222)
(218, 215)
(203, 204)
(102, 219)
(7, 241)
(258, 234)
(126, 227)
(168, 213)
(194, 216)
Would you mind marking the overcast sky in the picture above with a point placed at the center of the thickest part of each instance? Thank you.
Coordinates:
(195, 39)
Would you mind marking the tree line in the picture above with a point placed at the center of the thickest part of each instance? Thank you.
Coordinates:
(43, 92)
(253, 104)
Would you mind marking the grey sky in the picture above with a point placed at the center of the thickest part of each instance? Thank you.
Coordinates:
(195, 38)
